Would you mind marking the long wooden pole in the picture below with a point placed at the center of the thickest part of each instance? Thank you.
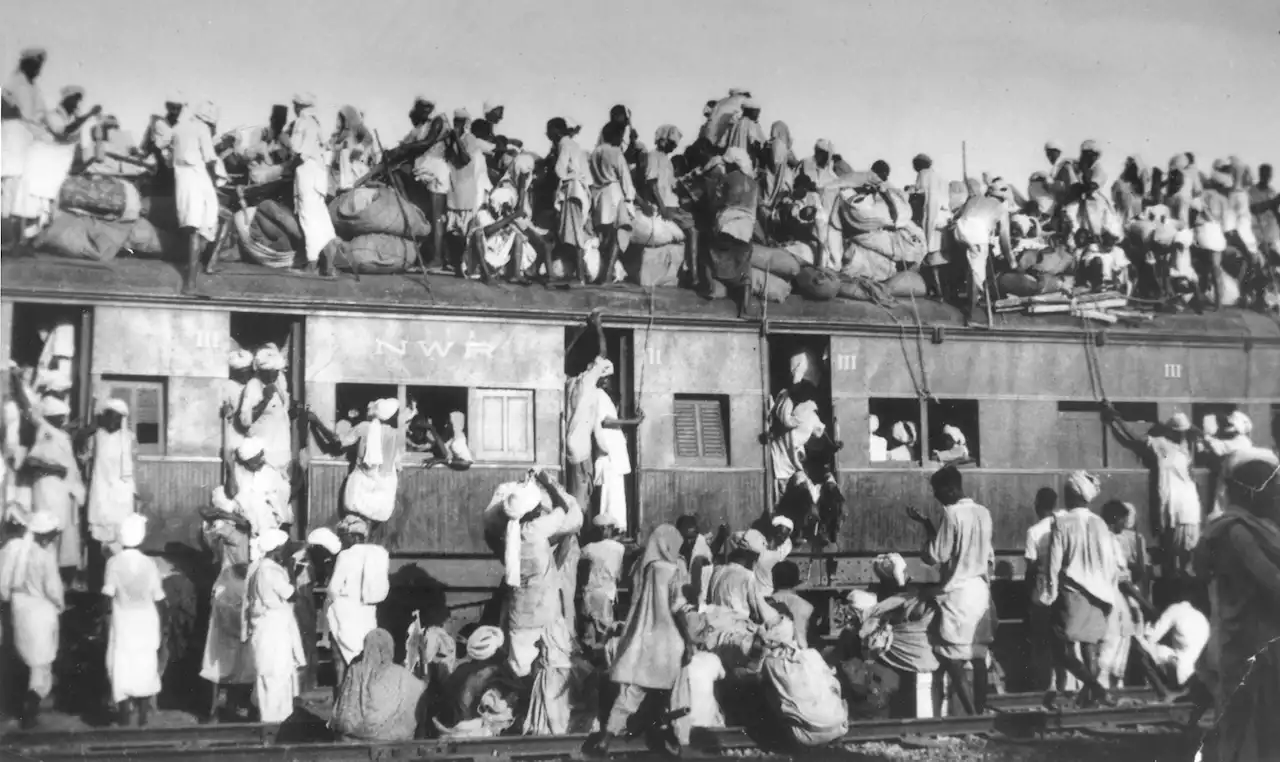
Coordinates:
(765, 398)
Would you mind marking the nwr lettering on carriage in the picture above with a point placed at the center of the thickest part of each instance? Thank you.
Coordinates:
(469, 349)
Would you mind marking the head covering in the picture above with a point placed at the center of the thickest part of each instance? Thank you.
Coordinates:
(28, 54)
(175, 98)
(519, 501)
(44, 522)
(604, 519)
(272, 539)
(250, 448)
(325, 538)
(378, 698)
(1000, 189)
(572, 125)
(751, 103)
(56, 383)
(891, 566)
(502, 197)
(1083, 486)
(956, 434)
(922, 158)
(51, 406)
(603, 367)
(1237, 424)
(422, 100)
(1090, 146)
(824, 145)
(206, 112)
(663, 545)
(1179, 422)
(116, 405)
(783, 521)
(352, 524)
(862, 601)
(805, 367)
(304, 99)
(873, 423)
(738, 92)
(461, 113)
(904, 432)
(69, 91)
(1053, 145)
(667, 132)
(133, 529)
(739, 158)
(755, 541)
(240, 359)
(484, 643)
(268, 357)
(380, 412)
(738, 542)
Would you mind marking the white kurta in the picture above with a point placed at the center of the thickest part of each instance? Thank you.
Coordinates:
(226, 658)
(111, 484)
(274, 637)
(30, 583)
(311, 184)
(132, 581)
(359, 583)
(612, 464)
(273, 428)
(193, 191)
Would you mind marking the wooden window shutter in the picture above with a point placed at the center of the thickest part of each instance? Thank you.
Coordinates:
(502, 426)
(711, 429)
(686, 421)
(700, 431)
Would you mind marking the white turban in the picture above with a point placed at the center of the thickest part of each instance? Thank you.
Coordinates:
(805, 367)
(1083, 485)
(44, 522)
(1053, 145)
(502, 197)
(1179, 422)
(250, 448)
(754, 541)
(783, 521)
(891, 566)
(133, 529)
(603, 367)
(492, 105)
(604, 519)
(206, 112)
(325, 538)
(1238, 423)
(240, 359)
(484, 643)
(956, 435)
(116, 405)
(268, 357)
(272, 539)
(862, 601)
(304, 99)
(519, 502)
(904, 432)
(51, 406)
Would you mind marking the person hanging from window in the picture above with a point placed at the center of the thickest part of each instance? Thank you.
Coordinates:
(265, 411)
(794, 423)
(904, 438)
(1168, 450)
(953, 447)
(240, 370)
(112, 456)
(1078, 581)
(372, 483)
(960, 546)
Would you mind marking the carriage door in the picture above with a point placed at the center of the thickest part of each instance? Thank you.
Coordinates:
(581, 347)
(805, 358)
(54, 341)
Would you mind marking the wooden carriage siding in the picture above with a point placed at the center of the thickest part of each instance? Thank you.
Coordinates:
(510, 342)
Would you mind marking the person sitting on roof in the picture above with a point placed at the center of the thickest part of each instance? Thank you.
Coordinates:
(496, 241)
(353, 147)
(1104, 264)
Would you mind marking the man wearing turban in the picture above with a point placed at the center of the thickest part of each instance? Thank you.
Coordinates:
(32, 587)
(371, 486)
(112, 458)
(311, 185)
(360, 581)
(795, 422)
(22, 120)
(240, 370)
(271, 629)
(264, 410)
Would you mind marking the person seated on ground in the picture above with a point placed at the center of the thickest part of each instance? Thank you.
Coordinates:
(786, 578)
(801, 690)
(483, 670)
(379, 700)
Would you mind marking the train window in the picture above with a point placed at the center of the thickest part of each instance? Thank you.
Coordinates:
(1142, 415)
(1218, 412)
(1081, 436)
(46, 339)
(146, 400)
(503, 428)
(945, 418)
(794, 359)
(701, 430)
(442, 419)
(351, 403)
(895, 430)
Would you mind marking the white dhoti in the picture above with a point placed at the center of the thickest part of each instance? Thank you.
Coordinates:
(133, 649)
(371, 493)
(349, 622)
(47, 166)
(278, 654)
(196, 200)
(611, 486)
(226, 658)
(35, 637)
(974, 233)
(15, 140)
(310, 184)
(960, 610)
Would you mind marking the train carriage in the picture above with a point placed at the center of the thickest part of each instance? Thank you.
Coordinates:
(1025, 393)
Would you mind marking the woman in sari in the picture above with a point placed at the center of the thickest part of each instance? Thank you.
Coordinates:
(1240, 556)
(654, 645)
(379, 698)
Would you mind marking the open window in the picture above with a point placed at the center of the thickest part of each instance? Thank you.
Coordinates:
(894, 425)
(953, 432)
(146, 398)
(442, 418)
(351, 403)
(51, 342)
(701, 430)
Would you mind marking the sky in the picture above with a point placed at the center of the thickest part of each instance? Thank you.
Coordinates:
(883, 80)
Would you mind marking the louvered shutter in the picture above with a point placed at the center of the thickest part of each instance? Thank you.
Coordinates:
(700, 431)
(711, 427)
(686, 421)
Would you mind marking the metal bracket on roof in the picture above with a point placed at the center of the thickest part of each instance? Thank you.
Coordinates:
(939, 334)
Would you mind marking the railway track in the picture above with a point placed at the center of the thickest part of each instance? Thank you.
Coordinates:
(1013, 715)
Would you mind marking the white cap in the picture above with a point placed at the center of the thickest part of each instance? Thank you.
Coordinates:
(385, 408)
(783, 521)
(133, 529)
(268, 357)
(325, 538)
(116, 405)
(240, 359)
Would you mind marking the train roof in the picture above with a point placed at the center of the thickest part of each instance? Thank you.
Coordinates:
(249, 287)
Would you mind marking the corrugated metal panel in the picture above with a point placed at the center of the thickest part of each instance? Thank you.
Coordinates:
(437, 509)
(735, 498)
(173, 493)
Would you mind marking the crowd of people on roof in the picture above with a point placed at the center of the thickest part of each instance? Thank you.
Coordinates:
(736, 212)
